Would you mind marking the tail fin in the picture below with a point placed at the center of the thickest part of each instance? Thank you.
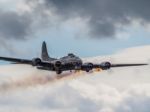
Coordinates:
(44, 54)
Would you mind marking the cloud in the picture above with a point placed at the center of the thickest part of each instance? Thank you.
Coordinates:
(24, 88)
(105, 17)
(66, 97)
(136, 98)
(14, 25)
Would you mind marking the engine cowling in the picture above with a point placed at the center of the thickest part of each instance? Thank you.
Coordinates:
(36, 61)
(58, 64)
(105, 65)
(87, 67)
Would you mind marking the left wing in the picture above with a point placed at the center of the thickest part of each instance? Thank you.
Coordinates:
(107, 65)
(126, 65)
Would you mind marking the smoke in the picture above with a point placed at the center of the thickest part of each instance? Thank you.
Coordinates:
(31, 80)
(35, 79)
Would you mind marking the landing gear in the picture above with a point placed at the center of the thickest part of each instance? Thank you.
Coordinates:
(87, 70)
(58, 71)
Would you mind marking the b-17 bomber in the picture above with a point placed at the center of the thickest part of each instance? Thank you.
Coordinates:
(71, 62)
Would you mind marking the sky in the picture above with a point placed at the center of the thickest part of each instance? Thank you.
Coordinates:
(86, 28)
(102, 30)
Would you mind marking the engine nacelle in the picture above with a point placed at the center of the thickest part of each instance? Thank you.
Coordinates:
(58, 64)
(105, 65)
(87, 66)
(36, 61)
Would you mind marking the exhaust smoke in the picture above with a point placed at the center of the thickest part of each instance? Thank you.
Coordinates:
(34, 78)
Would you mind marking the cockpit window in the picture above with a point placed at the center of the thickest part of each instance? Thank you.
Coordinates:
(71, 55)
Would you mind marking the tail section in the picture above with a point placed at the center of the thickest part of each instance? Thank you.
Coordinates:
(44, 55)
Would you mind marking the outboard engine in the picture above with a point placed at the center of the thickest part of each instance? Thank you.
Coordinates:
(36, 61)
(105, 65)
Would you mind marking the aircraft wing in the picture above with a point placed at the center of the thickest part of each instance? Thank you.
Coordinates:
(126, 65)
(16, 60)
(35, 62)
(107, 65)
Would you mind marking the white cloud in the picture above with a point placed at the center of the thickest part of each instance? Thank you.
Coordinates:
(23, 88)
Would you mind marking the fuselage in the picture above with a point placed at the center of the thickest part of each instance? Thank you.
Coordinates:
(70, 61)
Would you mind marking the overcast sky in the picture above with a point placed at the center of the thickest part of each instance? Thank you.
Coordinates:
(87, 28)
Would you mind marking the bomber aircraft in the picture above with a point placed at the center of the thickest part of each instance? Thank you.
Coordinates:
(66, 63)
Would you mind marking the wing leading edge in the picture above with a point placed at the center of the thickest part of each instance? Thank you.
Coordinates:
(126, 65)
(107, 65)
(35, 62)
(16, 60)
